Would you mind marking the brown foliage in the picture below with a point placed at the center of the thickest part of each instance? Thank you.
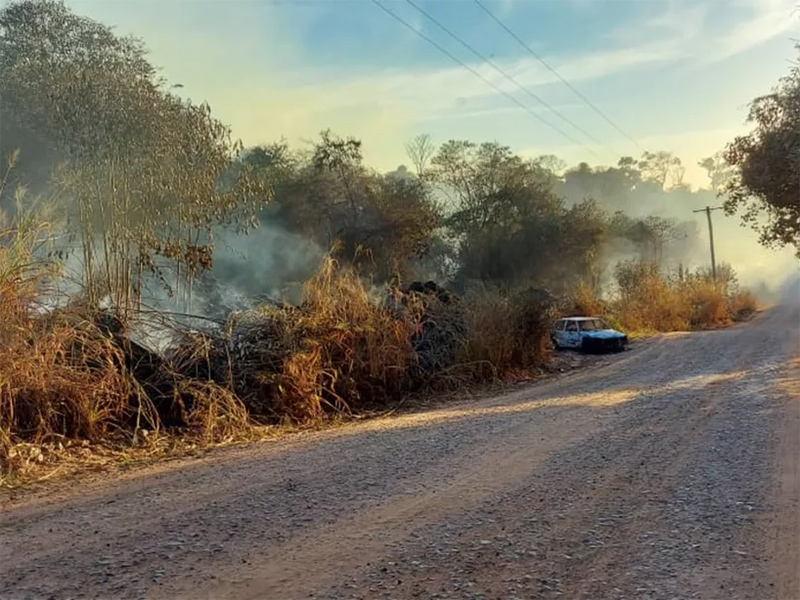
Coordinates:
(505, 332)
(650, 300)
(743, 305)
(339, 352)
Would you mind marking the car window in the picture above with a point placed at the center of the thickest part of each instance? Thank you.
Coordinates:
(593, 325)
(572, 326)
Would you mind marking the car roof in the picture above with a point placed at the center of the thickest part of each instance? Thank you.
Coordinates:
(579, 318)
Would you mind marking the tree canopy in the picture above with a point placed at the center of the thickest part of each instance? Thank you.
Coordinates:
(766, 174)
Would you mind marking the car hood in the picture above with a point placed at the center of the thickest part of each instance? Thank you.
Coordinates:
(603, 334)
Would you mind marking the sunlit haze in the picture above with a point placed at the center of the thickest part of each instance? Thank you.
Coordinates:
(674, 76)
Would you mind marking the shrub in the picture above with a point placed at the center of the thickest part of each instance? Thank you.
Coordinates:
(488, 347)
(506, 331)
(349, 352)
(743, 305)
(584, 301)
(709, 303)
(651, 300)
(339, 352)
(648, 300)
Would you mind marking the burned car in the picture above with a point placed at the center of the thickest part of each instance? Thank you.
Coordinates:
(588, 334)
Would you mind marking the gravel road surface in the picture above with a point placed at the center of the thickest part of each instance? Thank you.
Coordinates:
(669, 471)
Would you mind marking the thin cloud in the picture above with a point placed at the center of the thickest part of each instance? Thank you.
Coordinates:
(257, 68)
(770, 19)
(432, 90)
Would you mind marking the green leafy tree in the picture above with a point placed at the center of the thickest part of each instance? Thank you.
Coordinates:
(489, 186)
(766, 176)
(614, 186)
(381, 222)
(511, 226)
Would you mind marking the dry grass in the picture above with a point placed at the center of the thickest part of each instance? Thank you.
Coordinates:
(62, 380)
(342, 353)
(743, 305)
(72, 376)
(69, 379)
(649, 300)
(584, 301)
(346, 353)
(490, 342)
(709, 303)
(504, 333)
(339, 353)
(65, 377)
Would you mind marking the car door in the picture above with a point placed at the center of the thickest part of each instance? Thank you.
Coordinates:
(572, 335)
(557, 333)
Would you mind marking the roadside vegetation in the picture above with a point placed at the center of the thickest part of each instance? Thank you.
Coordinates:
(118, 324)
(649, 300)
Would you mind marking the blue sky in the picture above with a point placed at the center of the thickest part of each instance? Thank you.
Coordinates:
(674, 75)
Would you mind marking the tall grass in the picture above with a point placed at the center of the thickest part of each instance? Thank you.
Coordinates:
(648, 299)
(343, 352)
(504, 332)
(63, 374)
(742, 305)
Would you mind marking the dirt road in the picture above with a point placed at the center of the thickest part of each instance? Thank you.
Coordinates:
(667, 472)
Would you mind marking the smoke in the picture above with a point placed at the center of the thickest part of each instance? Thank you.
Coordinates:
(790, 291)
(760, 269)
(269, 263)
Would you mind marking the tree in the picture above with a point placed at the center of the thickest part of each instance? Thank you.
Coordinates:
(420, 150)
(398, 224)
(148, 174)
(649, 235)
(380, 222)
(614, 187)
(662, 167)
(511, 228)
(766, 177)
(581, 179)
(718, 170)
(489, 185)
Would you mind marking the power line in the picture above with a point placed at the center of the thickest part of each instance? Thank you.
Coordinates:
(477, 74)
(504, 74)
(556, 73)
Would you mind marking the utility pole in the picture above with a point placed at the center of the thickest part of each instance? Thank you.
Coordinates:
(708, 210)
